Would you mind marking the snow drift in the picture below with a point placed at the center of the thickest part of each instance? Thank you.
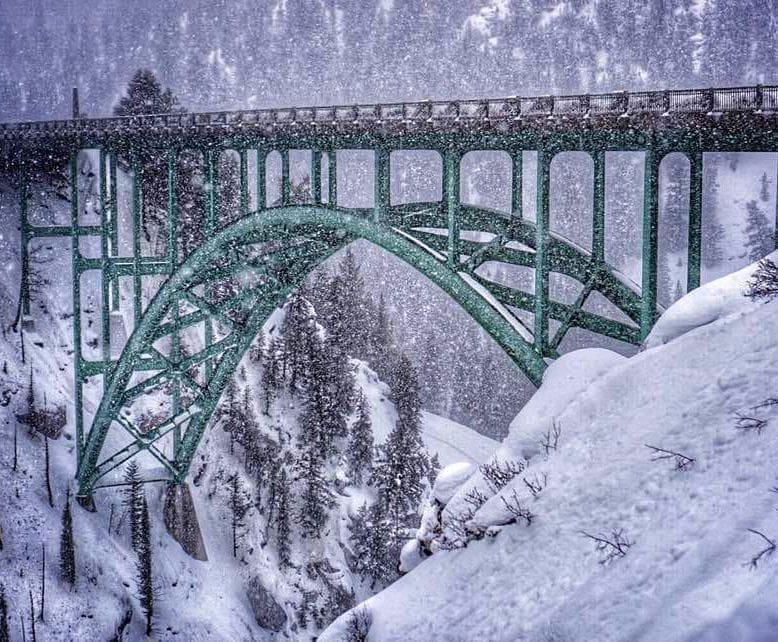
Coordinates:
(688, 570)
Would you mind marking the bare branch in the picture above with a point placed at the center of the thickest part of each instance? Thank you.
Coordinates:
(612, 548)
(536, 484)
(551, 439)
(746, 423)
(497, 474)
(475, 498)
(682, 462)
(513, 504)
(768, 550)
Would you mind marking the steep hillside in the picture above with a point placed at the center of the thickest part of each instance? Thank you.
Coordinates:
(689, 556)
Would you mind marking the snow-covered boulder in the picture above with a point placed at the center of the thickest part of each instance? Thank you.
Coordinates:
(564, 380)
(450, 479)
(708, 303)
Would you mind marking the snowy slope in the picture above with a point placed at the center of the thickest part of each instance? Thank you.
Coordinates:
(687, 575)
(196, 600)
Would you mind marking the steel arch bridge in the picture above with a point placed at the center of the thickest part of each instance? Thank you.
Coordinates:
(224, 291)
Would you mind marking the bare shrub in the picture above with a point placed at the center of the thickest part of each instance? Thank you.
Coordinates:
(612, 547)
(499, 473)
(519, 512)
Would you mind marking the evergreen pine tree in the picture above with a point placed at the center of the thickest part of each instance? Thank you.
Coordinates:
(283, 527)
(145, 578)
(403, 465)
(67, 548)
(359, 454)
(133, 502)
(5, 636)
(316, 497)
(239, 505)
(758, 238)
(299, 331)
(712, 230)
(372, 539)
(674, 224)
(764, 188)
(271, 375)
(145, 95)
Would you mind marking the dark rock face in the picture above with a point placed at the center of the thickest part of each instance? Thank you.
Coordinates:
(268, 613)
(181, 521)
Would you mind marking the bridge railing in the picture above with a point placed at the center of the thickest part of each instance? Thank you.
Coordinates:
(731, 99)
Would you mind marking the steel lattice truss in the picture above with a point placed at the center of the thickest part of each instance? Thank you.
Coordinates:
(224, 291)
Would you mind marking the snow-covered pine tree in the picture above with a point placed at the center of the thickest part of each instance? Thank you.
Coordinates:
(67, 547)
(298, 331)
(316, 497)
(404, 463)
(372, 544)
(5, 636)
(712, 230)
(145, 575)
(764, 188)
(381, 342)
(271, 375)
(239, 505)
(133, 501)
(674, 225)
(359, 453)
(759, 242)
(145, 95)
(283, 525)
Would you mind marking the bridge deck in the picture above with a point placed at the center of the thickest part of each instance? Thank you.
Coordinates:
(657, 109)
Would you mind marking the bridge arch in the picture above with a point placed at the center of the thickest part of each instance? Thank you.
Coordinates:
(270, 252)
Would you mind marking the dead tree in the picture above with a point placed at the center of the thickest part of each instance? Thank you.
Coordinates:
(765, 552)
(682, 462)
(612, 548)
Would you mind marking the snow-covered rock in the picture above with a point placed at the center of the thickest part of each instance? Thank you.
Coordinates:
(708, 303)
(564, 380)
(450, 479)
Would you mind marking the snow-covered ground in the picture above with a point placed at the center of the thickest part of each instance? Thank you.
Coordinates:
(687, 573)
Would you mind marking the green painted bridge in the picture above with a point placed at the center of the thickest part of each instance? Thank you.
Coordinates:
(220, 295)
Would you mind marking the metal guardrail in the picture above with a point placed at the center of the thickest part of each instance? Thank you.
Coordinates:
(734, 99)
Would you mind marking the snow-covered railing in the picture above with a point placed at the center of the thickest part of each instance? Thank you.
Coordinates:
(733, 99)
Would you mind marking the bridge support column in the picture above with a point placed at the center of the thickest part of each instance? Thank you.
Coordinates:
(381, 201)
(332, 178)
(261, 179)
(285, 180)
(650, 241)
(114, 227)
(541, 251)
(76, 262)
(316, 176)
(137, 213)
(451, 162)
(172, 207)
(24, 288)
(693, 267)
(244, 183)
(517, 193)
(211, 223)
(105, 275)
(598, 224)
